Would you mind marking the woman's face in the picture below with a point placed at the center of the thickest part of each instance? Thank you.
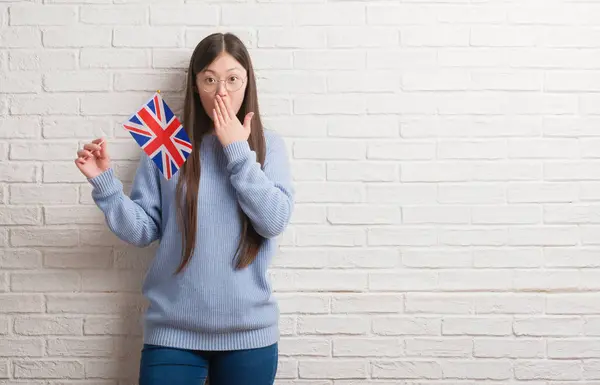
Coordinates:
(225, 76)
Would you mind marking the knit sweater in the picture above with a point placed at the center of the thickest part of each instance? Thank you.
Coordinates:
(209, 305)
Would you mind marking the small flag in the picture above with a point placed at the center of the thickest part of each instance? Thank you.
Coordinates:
(160, 134)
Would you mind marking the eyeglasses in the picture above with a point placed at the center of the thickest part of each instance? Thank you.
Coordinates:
(232, 83)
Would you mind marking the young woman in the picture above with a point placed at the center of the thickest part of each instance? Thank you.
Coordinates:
(211, 310)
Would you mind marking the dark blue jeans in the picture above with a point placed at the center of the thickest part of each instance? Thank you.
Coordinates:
(171, 366)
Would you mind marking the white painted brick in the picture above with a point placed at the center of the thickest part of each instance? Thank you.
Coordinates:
(473, 236)
(119, 15)
(402, 58)
(22, 347)
(312, 280)
(435, 80)
(404, 280)
(509, 257)
(401, 236)
(366, 172)
(516, 214)
(20, 216)
(346, 258)
(509, 304)
(346, 126)
(473, 193)
(435, 214)
(80, 347)
(433, 303)
(309, 171)
(42, 236)
(332, 325)
(303, 303)
(329, 14)
(301, 37)
(20, 259)
(121, 104)
(22, 303)
(365, 215)
(114, 58)
(147, 37)
(21, 37)
(509, 348)
(335, 192)
(438, 347)
(64, 215)
(309, 347)
(275, 81)
(339, 60)
(48, 368)
(398, 326)
(35, 60)
(342, 368)
(271, 59)
(569, 257)
(19, 127)
(91, 303)
(77, 81)
(4, 369)
(329, 104)
(361, 37)
(436, 258)
(189, 14)
(389, 150)
(37, 194)
(544, 235)
(480, 149)
(76, 37)
(149, 82)
(105, 281)
(403, 103)
(402, 14)
(330, 236)
(547, 370)
(42, 15)
(45, 282)
(47, 325)
(480, 369)
(403, 193)
(256, 15)
(43, 105)
(308, 214)
(492, 326)
(440, 36)
(18, 172)
(20, 82)
(367, 303)
(367, 347)
(286, 369)
(543, 192)
(92, 258)
(101, 325)
(547, 149)
(407, 369)
(106, 368)
(4, 325)
(73, 127)
(573, 348)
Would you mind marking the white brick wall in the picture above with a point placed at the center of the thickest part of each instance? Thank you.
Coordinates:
(446, 160)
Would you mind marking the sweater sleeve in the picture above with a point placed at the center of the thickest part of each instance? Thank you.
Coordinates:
(136, 218)
(265, 195)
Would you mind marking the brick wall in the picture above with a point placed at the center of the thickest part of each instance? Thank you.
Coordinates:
(445, 156)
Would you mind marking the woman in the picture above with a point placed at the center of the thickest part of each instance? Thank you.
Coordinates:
(211, 310)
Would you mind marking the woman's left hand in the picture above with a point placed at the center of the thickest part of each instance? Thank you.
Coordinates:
(228, 127)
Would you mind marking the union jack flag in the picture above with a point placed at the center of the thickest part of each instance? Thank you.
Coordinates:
(160, 134)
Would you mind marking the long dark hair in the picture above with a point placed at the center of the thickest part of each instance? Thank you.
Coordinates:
(197, 123)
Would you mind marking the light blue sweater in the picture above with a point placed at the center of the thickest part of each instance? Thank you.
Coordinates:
(209, 305)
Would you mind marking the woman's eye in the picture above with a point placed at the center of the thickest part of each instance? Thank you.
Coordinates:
(209, 80)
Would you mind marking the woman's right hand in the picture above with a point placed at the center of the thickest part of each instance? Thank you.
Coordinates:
(93, 159)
